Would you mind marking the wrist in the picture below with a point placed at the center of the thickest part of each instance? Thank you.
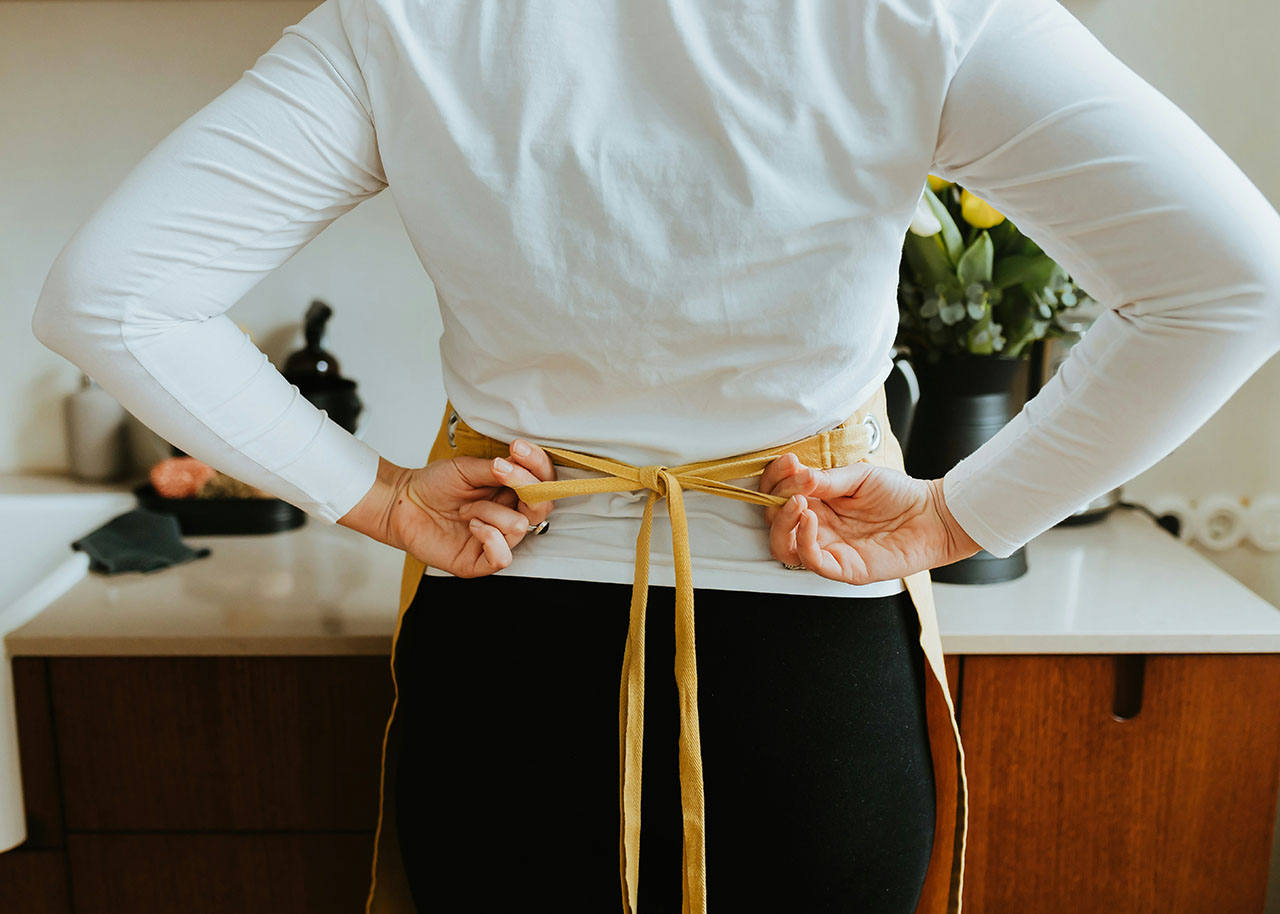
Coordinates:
(372, 514)
(959, 545)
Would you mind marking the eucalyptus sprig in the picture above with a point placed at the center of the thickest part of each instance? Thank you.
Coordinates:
(970, 283)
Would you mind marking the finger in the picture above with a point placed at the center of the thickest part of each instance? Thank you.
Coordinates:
(837, 481)
(781, 478)
(477, 472)
(813, 556)
(495, 553)
(533, 458)
(513, 474)
(778, 469)
(511, 522)
(782, 531)
(801, 482)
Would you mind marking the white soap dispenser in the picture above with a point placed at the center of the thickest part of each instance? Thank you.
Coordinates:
(97, 433)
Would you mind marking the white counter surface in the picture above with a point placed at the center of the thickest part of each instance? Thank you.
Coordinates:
(1119, 585)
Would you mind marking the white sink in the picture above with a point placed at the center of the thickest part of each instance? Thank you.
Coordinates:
(39, 519)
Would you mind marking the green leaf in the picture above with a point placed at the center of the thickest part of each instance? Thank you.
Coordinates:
(927, 258)
(975, 262)
(952, 242)
(1018, 269)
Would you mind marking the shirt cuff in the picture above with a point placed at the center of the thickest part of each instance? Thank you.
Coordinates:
(959, 499)
(338, 467)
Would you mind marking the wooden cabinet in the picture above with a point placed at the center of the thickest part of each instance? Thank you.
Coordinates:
(1168, 811)
(209, 784)
(220, 743)
(268, 873)
(34, 881)
(197, 784)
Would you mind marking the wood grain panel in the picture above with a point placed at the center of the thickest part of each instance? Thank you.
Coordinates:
(33, 882)
(1073, 810)
(37, 754)
(219, 874)
(220, 743)
(953, 665)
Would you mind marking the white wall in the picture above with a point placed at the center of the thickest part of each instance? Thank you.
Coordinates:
(87, 88)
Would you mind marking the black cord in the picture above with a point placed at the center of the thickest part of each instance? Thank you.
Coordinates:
(1169, 522)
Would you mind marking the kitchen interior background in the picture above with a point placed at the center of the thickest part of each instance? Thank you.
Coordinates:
(88, 88)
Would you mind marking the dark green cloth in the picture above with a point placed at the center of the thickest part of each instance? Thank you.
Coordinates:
(138, 540)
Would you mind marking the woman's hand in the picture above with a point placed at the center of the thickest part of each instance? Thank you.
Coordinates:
(458, 514)
(860, 523)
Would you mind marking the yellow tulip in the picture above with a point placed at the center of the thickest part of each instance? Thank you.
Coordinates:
(978, 212)
(936, 184)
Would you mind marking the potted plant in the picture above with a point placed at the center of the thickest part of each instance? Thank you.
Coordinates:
(974, 295)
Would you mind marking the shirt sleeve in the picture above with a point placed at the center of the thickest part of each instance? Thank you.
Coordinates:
(137, 297)
(1152, 218)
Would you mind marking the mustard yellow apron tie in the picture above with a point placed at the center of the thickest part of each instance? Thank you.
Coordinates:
(847, 443)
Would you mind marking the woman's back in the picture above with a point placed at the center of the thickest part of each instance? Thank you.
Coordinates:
(639, 216)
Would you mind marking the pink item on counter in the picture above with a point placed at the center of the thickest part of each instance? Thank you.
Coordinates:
(180, 477)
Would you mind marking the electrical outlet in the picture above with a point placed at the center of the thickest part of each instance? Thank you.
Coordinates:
(1262, 523)
(1178, 507)
(1219, 521)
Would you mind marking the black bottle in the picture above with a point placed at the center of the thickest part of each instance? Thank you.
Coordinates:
(316, 373)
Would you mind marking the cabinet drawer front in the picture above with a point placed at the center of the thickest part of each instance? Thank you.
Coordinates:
(214, 743)
(33, 882)
(1166, 809)
(214, 874)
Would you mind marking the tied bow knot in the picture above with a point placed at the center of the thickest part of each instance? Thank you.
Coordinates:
(654, 477)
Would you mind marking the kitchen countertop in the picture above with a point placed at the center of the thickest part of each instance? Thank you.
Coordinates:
(1119, 585)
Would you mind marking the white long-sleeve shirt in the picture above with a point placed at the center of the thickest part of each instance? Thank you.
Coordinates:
(667, 232)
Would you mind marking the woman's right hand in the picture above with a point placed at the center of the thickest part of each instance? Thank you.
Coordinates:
(461, 515)
(860, 523)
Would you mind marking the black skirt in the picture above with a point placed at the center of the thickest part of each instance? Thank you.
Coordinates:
(819, 782)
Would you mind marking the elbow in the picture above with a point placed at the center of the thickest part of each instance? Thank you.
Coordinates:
(1233, 298)
(53, 322)
(71, 309)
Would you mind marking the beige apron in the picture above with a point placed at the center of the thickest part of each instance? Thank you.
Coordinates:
(847, 443)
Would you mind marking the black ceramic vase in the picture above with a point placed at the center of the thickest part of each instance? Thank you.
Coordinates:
(964, 401)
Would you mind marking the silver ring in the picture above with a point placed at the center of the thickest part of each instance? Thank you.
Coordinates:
(794, 567)
(538, 529)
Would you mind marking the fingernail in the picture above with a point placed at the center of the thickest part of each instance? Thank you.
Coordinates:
(475, 522)
(501, 465)
(802, 501)
(520, 448)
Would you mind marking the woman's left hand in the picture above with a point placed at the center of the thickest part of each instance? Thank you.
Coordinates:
(860, 523)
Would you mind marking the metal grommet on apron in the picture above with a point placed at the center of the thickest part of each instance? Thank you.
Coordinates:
(870, 420)
(864, 436)
(454, 418)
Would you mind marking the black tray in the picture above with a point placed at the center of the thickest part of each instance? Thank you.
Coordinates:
(223, 516)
